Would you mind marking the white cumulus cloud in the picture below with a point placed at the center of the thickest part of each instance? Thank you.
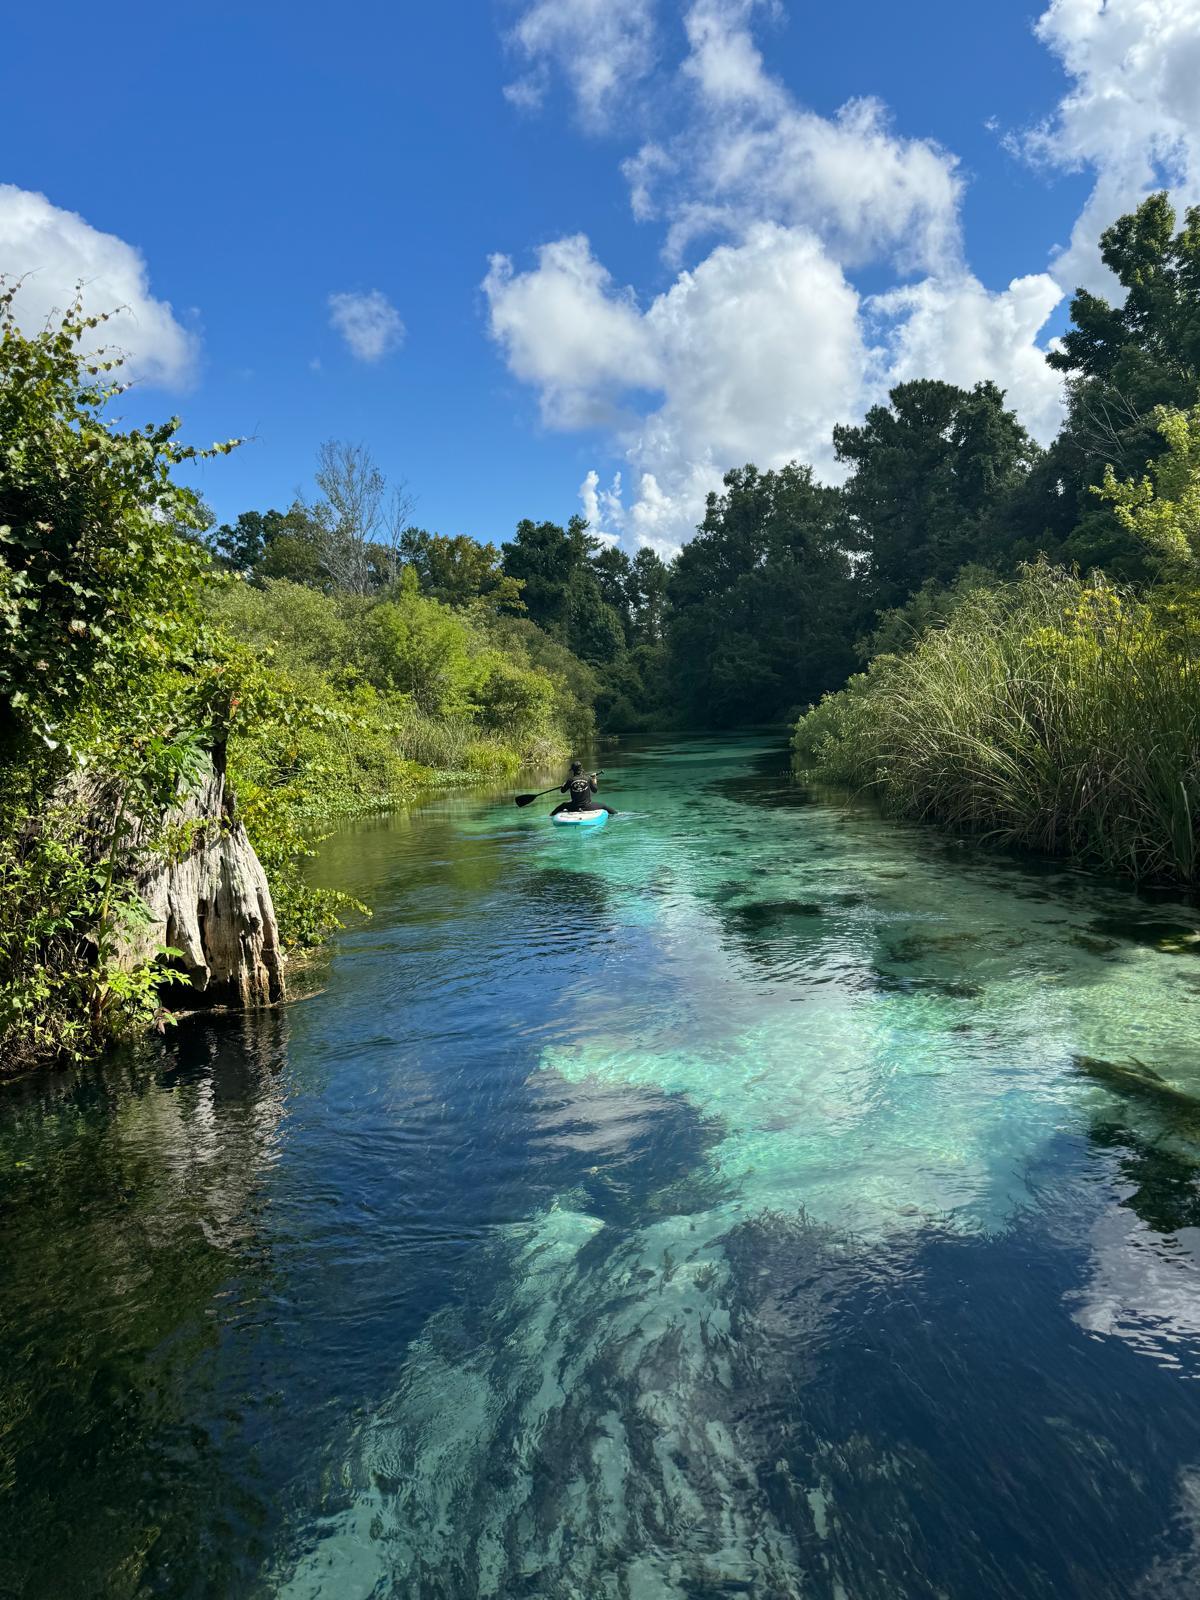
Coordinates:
(723, 58)
(369, 323)
(567, 329)
(750, 152)
(762, 342)
(602, 47)
(1131, 114)
(957, 330)
(55, 251)
(754, 354)
(602, 507)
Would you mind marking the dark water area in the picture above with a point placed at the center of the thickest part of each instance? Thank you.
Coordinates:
(749, 1198)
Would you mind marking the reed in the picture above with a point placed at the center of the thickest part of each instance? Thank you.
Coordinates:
(1057, 713)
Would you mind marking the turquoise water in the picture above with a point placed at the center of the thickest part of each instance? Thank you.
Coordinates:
(752, 1198)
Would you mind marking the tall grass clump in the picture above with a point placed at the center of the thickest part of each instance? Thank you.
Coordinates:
(1057, 713)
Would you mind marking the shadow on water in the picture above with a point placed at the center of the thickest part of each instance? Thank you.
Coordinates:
(567, 890)
(130, 1194)
(927, 1433)
(1165, 1192)
(1159, 1159)
(771, 791)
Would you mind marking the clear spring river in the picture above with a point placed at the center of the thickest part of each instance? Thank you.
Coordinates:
(750, 1198)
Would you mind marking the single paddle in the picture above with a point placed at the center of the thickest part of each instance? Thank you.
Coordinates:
(528, 799)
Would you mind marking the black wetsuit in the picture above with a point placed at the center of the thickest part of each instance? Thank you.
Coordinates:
(581, 789)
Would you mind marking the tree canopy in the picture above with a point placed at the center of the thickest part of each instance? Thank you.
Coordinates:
(760, 599)
(930, 471)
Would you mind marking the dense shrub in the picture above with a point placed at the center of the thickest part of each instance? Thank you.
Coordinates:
(1057, 713)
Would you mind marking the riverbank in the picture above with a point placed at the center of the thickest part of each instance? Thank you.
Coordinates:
(1055, 713)
(168, 729)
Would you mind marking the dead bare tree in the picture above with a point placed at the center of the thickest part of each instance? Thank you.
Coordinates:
(1105, 422)
(397, 519)
(353, 488)
(360, 524)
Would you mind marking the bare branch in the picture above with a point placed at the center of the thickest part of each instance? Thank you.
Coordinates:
(397, 519)
(353, 487)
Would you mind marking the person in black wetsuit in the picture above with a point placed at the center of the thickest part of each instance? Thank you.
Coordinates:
(581, 787)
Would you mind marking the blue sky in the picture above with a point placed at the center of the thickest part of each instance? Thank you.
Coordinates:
(261, 163)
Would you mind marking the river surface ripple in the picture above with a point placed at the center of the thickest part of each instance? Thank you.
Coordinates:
(749, 1198)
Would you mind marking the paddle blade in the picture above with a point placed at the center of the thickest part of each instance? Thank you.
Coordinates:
(526, 799)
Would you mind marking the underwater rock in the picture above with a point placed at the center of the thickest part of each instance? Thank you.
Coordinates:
(593, 1442)
(770, 793)
(761, 913)
(1134, 1078)
(1172, 938)
(1093, 944)
(890, 983)
(914, 947)
(562, 888)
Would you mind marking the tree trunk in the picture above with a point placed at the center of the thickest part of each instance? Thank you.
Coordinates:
(213, 906)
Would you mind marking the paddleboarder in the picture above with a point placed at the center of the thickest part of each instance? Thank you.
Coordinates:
(580, 788)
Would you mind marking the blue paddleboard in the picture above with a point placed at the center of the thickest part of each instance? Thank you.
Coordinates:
(580, 819)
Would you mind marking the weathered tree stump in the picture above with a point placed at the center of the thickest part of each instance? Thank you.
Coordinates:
(213, 906)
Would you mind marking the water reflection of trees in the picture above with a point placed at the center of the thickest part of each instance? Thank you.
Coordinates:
(131, 1193)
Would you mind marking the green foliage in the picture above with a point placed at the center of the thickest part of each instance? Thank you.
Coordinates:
(374, 698)
(62, 991)
(110, 687)
(646, 597)
(307, 631)
(929, 471)
(760, 600)
(542, 557)
(510, 698)
(576, 684)
(564, 589)
(422, 649)
(1145, 351)
(1056, 713)
(1053, 712)
(274, 544)
(933, 604)
(1122, 361)
(593, 628)
(1163, 509)
(636, 693)
(127, 667)
(459, 571)
(96, 587)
